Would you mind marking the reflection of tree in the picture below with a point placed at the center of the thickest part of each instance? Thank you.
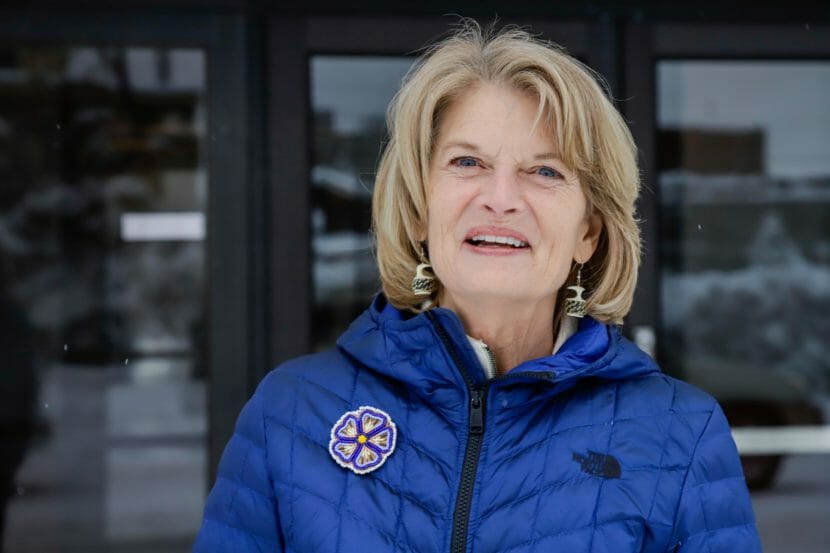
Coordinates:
(169, 277)
(345, 273)
(772, 313)
(81, 285)
(773, 246)
(354, 152)
(79, 146)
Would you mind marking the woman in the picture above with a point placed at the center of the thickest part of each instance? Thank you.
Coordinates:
(484, 405)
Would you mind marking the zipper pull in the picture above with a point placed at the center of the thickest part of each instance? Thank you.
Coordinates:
(476, 412)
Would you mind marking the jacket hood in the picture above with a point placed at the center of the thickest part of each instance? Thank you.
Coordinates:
(409, 348)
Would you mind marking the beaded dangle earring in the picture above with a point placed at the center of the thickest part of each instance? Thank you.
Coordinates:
(423, 284)
(575, 305)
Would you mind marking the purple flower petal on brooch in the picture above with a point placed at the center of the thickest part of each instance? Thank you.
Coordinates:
(383, 440)
(363, 439)
(367, 458)
(346, 451)
(348, 429)
(371, 421)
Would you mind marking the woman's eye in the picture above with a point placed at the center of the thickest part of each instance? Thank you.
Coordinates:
(464, 162)
(548, 172)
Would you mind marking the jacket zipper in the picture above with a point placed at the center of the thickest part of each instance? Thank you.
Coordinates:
(464, 500)
(475, 437)
(492, 359)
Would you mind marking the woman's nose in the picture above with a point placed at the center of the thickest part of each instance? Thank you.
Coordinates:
(501, 194)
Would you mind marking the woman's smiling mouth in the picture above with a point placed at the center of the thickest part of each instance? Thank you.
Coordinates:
(495, 240)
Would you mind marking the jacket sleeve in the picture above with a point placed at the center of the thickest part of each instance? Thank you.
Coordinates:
(241, 510)
(715, 514)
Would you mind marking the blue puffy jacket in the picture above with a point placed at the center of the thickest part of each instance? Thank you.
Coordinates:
(590, 449)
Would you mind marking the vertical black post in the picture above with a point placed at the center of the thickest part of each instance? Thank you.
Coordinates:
(639, 109)
(229, 234)
(288, 139)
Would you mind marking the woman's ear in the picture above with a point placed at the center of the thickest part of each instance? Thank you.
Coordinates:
(591, 230)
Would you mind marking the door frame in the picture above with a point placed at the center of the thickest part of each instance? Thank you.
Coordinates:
(291, 41)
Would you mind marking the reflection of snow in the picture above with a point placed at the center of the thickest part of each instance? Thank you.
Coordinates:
(339, 180)
(78, 281)
(168, 277)
(772, 313)
(338, 244)
(54, 295)
(691, 189)
(344, 267)
(91, 65)
(12, 243)
(773, 246)
(56, 199)
(768, 289)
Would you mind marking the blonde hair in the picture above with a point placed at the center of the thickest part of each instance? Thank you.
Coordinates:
(592, 138)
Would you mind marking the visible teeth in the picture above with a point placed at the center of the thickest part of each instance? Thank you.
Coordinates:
(499, 240)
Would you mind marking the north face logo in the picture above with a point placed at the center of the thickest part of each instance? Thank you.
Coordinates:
(598, 464)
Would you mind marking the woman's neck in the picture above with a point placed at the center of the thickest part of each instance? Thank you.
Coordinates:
(514, 331)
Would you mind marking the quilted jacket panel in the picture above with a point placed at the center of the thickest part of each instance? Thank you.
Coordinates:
(592, 449)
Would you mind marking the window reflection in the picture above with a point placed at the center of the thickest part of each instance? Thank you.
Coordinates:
(104, 393)
(744, 176)
(349, 96)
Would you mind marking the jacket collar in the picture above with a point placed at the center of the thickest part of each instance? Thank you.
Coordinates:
(409, 348)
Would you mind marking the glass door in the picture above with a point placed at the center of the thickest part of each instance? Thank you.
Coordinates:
(739, 159)
(349, 95)
(115, 165)
(103, 265)
(744, 177)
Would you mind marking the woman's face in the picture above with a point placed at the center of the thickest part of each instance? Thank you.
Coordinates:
(506, 217)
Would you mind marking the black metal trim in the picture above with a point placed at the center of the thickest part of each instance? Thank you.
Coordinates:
(639, 110)
(232, 326)
(288, 155)
(742, 11)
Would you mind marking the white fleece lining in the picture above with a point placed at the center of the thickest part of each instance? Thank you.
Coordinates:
(566, 330)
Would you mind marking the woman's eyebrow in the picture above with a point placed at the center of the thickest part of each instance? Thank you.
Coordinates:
(553, 156)
(547, 155)
(462, 145)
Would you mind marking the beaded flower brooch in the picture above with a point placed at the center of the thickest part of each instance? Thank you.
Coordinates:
(363, 439)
